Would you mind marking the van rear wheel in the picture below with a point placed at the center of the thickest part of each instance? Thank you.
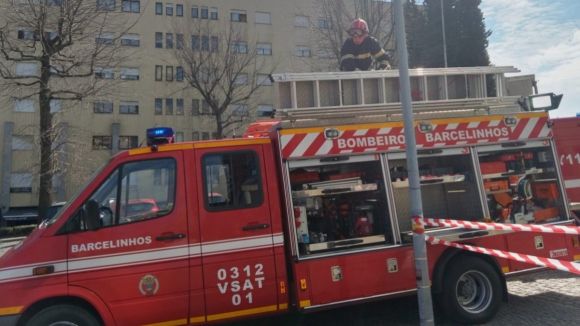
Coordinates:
(472, 291)
(63, 315)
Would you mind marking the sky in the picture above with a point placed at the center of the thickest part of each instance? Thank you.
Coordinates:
(540, 37)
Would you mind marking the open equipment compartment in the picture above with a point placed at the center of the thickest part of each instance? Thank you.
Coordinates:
(339, 203)
(448, 188)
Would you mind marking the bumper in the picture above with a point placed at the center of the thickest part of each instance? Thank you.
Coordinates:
(9, 320)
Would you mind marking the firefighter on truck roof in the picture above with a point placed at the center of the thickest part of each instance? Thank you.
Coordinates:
(358, 51)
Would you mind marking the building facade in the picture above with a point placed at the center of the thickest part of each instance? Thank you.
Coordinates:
(150, 88)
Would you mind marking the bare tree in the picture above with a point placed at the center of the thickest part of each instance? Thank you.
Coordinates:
(225, 66)
(49, 51)
(330, 27)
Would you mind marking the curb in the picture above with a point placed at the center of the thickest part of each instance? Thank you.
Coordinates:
(11, 239)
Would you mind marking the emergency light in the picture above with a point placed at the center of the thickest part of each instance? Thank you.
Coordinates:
(161, 135)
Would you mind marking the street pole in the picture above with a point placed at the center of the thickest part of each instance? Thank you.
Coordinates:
(419, 243)
(444, 42)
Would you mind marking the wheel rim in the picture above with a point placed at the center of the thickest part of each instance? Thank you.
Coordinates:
(63, 323)
(474, 292)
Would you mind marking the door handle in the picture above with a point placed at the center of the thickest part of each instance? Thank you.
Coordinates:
(255, 227)
(170, 237)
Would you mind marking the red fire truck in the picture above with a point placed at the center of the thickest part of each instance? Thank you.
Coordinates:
(567, 135)
(312, 214)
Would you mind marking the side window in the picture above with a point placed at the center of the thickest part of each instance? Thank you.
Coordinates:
(232, 180)
(136, 191)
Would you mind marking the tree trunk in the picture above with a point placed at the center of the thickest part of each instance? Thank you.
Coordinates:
(46, 171)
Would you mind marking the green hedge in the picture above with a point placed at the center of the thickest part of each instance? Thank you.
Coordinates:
(16, 231)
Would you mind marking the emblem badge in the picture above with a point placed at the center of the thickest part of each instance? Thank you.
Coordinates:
(149, 285)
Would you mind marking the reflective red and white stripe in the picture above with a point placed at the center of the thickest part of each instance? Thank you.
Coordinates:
(559, 229)
(565, 266)
(390, 136)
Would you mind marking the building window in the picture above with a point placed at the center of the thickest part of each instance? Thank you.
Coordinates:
(105, 38)
(130, 73)
(214, 135)
(265, 111)
(205, 107)
(324, 23)
(214, 13)
(179, 10)
(179, 137)
(195, 107)
(302, 51)
(263, 80)
(102, 142)
(214, 44)
(263, 18)
(26, 69)
(103, 107)
(169, 106)
(195, 42)
(241, 79)
(179, 106)
(158, 73)
(127, 142)
(22, 143)
(27, 34)
(104, 73)
(159, 8)
(264, 49)
(178, 74)
(55, 106)
(238, 16)
(159, 40)
(205, 136)
(25, 105)
(169, 73)
(131, 6)
(239, 47)
(106, 4)
(204, 13)
(129, 108)
(179, 41)
(205, 43)
(239, 110)
(194, 12)
(169, 9)
(130, 40)
(20, 182)
(325, 53)
(301, 21)
(195, 135)
(169, 40)
(204, 76)
(158, 106)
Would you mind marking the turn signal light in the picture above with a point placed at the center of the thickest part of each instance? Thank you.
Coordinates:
(43, 270)
(576, 242)
(303, 284)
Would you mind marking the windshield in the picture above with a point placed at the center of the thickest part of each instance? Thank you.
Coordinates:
(93, 176)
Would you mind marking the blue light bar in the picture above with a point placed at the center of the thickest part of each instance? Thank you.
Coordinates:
(160, 135)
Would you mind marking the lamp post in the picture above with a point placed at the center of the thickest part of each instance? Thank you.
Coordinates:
(443, 31)
(415, 201)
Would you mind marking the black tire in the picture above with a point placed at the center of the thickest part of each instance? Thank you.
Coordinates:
(472, 291)
(63, 315)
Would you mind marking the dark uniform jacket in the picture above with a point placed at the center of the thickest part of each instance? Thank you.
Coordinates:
(360, 57)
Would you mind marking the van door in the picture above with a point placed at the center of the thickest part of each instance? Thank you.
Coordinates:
(137, 262)
(236, 232)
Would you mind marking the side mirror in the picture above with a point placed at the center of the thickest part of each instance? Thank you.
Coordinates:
(92, 215)
(541, 102)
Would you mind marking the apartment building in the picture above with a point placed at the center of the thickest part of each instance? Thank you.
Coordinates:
(151, 89)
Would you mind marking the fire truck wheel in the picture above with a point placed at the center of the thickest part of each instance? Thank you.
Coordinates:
(63, 315)
(472, 291)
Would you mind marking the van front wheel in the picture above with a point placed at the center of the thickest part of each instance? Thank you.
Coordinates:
(63, 315)
(471, 292)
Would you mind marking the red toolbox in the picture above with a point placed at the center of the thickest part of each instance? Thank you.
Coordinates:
(545, 190)
(515, 157)
(496, 185)
(493, 167)
(303, 176)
